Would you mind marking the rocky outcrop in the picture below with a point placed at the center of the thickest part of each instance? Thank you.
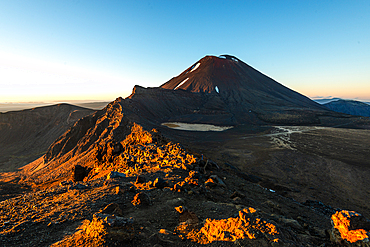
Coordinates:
(350, 229)
(79, 173)
(103, 230)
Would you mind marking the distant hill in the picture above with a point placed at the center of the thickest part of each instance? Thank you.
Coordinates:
(351, 107)
(25, 135)
(5, 107)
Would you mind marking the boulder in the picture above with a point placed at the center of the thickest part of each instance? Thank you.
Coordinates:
(112, 208)
(116, 175)
(350, 229)
(214, 181)
(141, 199)
(79, 173)
(160, 183)
(140, 179)
(181, 209)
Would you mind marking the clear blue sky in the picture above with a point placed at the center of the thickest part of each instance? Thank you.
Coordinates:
(98, 50)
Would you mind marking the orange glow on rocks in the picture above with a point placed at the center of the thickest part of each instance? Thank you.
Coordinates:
(139, 152)
(341, 222)
(230, 229)
(138, 136)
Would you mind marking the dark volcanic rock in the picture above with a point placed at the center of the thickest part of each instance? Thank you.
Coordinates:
(141, 199)
(160, 183)
(79, 173)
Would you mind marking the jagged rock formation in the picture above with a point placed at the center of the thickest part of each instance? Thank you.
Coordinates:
(81, 145)
(26, 135)
(351, 107)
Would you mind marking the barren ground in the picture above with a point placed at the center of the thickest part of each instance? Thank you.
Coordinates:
(305, 163)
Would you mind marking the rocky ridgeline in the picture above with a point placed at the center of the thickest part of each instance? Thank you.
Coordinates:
(145, 190)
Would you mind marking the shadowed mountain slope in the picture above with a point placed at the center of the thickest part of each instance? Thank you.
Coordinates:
(26, 135)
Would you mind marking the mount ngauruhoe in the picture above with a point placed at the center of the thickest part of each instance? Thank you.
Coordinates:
(239, 86)
(280, 175)
(225, 91)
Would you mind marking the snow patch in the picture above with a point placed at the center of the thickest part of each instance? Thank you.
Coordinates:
(194, 67)
(216, 88)
(222, 57)
(181, 83)
(234, 59)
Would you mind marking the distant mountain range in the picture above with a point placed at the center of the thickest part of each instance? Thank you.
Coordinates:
(327, 100)
(351, 107)
(6, 107)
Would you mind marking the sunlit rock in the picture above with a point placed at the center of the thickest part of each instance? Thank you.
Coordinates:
(350, 229)
(246, 225)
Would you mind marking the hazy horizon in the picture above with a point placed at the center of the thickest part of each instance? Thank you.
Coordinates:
(18, 106)
(71, 101)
